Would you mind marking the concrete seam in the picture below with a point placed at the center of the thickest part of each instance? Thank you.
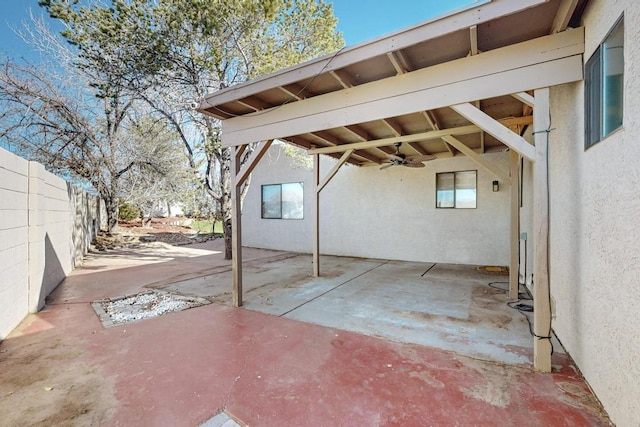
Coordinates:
(244, 365)
(332, 289)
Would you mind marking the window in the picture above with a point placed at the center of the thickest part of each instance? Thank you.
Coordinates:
(604, 87)
(456, 190)
(283, 201)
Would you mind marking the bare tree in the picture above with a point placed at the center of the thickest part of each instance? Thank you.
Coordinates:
(172, 53)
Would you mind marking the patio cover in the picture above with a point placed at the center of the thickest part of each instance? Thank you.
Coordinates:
(467, 83)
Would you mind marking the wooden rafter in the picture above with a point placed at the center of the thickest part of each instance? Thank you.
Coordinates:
(563, 16)
(331, 140)
(295, 91)
(343, 78)
(548, 61)
(396, 63)
(433, 122)
(353, 55)
(393, 126)
(473, 40)
(361, 134)
(422, 136)
(254, 103)
(404, 62)
(418, 149)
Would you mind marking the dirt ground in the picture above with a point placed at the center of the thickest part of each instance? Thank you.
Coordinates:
(67, 389)
(166, 230)
(46, 366)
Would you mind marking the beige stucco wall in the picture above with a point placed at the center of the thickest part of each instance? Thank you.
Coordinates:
(46, 226)
(595, 229)
(390, 214)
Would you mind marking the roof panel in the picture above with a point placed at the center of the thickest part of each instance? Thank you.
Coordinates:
(498, 23)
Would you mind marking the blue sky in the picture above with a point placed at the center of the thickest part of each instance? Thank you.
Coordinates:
(358, 20)
(362, 20)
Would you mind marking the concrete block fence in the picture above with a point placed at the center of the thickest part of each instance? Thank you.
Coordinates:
(46, 226)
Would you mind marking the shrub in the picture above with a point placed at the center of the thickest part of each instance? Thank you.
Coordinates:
(128, 212)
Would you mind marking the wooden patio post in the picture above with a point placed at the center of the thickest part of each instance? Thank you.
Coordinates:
(316, 215)
(514, 231)
(236, 226)
(541, 293)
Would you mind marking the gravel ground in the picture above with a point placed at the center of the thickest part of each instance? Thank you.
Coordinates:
(147, 305)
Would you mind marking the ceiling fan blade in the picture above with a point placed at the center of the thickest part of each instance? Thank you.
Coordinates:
(425, 158)
(388, 165)
(414, 165)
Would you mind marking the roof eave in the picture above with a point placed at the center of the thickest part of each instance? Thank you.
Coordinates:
(473, 14)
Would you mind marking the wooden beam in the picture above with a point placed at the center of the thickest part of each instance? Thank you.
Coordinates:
(478, 158)
(495, 128)
(514, 228)
(254, 103)
(525, 98)
(476, 13)
(396, 63)
(360, 133)
(563, 16)
(418, 149)
(402, 59)
(316, 215)
(291, 94)
(334, 170)
(433, 122)
(394, 126)
(333, 141)
(423, 136)
(295, 91)
(542, 62)
(308, 145)
(326, 137)
(473, 39)
(541, 293)
(236, 232)
(343, 78)
(246, 170)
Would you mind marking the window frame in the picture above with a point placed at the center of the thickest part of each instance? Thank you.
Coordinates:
(280, 201)
(454, 189)
(595, 76)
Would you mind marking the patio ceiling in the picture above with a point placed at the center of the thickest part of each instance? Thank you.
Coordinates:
(416, 56)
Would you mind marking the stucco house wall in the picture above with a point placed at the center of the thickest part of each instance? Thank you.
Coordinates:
(594, 228)
(390, 214)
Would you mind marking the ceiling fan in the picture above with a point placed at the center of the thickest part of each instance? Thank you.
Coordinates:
(399, 159)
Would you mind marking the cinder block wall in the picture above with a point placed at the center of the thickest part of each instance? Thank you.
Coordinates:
(14, 241)
(46, 226)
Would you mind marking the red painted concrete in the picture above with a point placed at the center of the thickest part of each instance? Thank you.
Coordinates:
(182, 368)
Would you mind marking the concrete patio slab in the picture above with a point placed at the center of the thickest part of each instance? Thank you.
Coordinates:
(451, 307)
(61, 367)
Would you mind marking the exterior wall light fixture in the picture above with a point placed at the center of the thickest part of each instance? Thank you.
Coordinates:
(496, 186)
